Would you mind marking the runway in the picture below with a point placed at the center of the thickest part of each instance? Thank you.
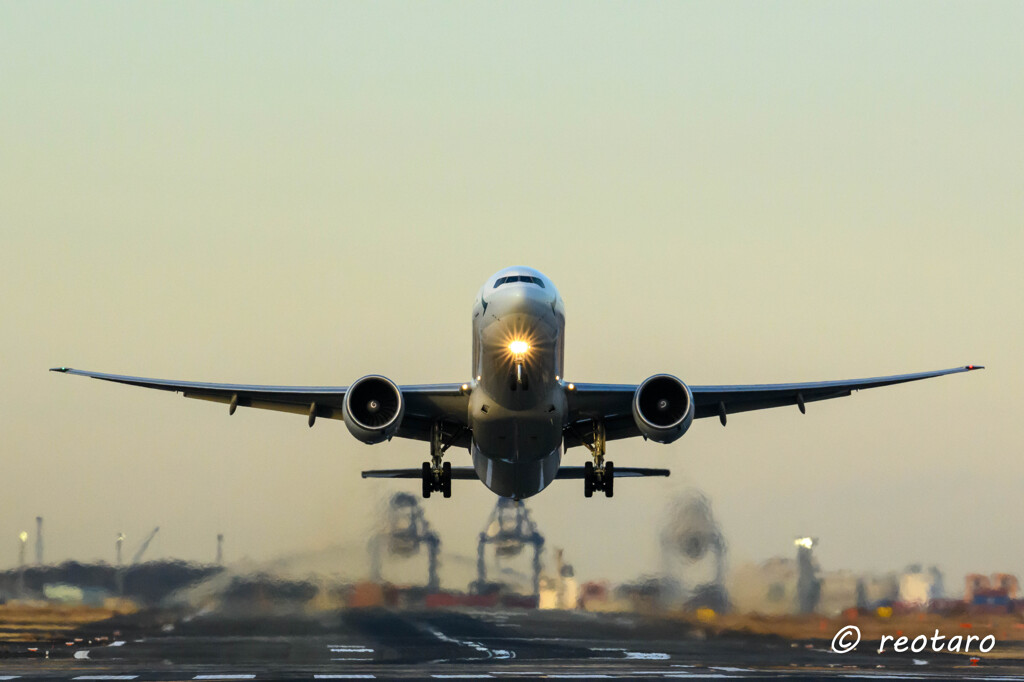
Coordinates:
(456, 644)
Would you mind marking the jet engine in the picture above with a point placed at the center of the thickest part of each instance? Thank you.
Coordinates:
(663, 408)
(373, 409)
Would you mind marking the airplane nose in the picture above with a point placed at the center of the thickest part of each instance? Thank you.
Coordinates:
(524, 299)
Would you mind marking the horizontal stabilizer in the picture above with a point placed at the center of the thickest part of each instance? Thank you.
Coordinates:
(577, 473)
(458, 473)
(469, 474)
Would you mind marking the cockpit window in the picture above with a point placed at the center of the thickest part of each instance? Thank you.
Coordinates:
(519, 278)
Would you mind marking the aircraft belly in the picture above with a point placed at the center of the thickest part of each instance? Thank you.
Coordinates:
(516, 479)
(517, 435)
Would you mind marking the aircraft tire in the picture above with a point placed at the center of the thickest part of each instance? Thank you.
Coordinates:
(446, 479)
(428, 480)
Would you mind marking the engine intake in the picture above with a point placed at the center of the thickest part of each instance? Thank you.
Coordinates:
(373, 409)
(663, 408)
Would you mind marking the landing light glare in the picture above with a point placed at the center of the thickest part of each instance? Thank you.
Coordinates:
(518, 347)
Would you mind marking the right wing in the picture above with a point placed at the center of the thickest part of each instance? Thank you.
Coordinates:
(424, 403)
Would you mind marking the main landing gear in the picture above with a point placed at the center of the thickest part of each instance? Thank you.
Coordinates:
(598, 475)
(437, 475)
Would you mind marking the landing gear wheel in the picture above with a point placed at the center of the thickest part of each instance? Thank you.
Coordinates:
(428, 480)
(446, 479)
(588, 479)
(608, 481)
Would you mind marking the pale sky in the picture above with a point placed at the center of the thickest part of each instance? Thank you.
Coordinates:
(304, 193)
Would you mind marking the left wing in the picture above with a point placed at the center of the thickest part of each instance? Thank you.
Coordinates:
(424, 403)
(613, 403)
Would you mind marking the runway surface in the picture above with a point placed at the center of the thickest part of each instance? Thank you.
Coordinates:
(458, 644)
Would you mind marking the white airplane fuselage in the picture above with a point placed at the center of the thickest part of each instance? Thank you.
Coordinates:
(517, 406)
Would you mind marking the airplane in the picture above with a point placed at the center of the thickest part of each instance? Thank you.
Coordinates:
(518, 414)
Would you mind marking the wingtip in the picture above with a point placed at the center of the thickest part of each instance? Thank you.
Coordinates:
(59, 369)
(973, 367)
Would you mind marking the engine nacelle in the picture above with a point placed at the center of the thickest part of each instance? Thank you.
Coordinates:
(373, 409)
(663, 408)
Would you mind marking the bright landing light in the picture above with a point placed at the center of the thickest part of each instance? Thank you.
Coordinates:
(519, 347)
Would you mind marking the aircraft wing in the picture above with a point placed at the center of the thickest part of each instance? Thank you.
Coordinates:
(424, 403)
(613, 403)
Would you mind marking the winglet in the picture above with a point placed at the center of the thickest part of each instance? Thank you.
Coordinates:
(59, 369)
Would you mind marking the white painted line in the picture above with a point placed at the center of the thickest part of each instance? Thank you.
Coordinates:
(117, 643)
(105, 677)
(224, 677)
(344, 677)
(82, 654)
(461, 677)
(353, 649)
(351, 659)
(654, 657)
(9, 677)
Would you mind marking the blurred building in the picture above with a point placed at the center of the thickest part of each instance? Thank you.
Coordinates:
(919, 588)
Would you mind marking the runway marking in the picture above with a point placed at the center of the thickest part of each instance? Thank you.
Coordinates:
(655, 657)
(461, 677)
(9, 677)
(353, 649)
(82, 655)
(344, 677)
(224, 677)
(351, 659)
(491, 653)
(650, 673)
(519, 673)
(117, 643)
(105, 677)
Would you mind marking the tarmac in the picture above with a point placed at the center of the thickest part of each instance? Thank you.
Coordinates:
(458, 644)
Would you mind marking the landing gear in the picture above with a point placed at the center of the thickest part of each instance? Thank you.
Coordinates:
(596, 479)
(437, 476)
(598, 475)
